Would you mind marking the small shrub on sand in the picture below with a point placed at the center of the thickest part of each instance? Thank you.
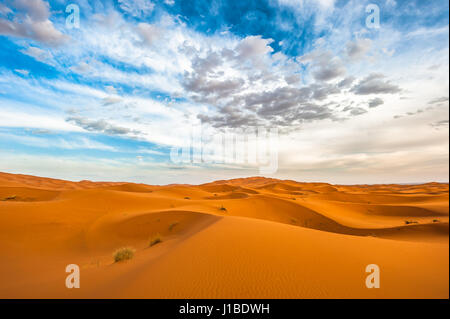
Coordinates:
(124, 253)
(223, 208)
(187, 197)
(171, 226)
(435, 220)
(407, 222)
(155, 239)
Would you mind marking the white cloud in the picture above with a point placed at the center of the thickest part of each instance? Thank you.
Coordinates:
(23, 72)
(39, 54)
(137, 8)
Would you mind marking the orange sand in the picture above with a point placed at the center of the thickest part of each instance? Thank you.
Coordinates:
(271, 239)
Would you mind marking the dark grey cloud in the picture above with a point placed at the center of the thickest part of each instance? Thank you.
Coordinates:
(375, 83)
(284, 106)
(206, 82)
(209, 91)
(230, 117)
(31, 20)
(99, 126)
(346, 83)
(323, 90)
(375, 102)
(329, 71)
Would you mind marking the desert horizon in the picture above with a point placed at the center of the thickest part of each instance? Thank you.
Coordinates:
(242, 238)
(223, 180)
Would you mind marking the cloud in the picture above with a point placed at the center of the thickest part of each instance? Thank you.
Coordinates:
(439, 100)
(254, 47)
(375, 102)
(217, 75)
(43, 139)
(375, 84)
(230, 117)
(148, 32)
(358, 49)
(31, 20)
(111, 100)
(39, 54)
(324, 65)
(4, 10)
(346, 83)
(292, 79)
(100, 126)
(137, 8)
(82, 67)
(440, 123)
(23, 72)
(246, 85)
(355, 111)
(283, 106)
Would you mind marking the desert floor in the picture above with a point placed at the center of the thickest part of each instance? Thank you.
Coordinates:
(242, 238)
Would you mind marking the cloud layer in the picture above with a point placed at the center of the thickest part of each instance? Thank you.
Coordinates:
(344, 97)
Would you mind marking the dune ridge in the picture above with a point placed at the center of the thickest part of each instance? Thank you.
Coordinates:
(241, 238)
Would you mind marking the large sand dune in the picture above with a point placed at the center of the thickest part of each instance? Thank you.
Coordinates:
(242, 238)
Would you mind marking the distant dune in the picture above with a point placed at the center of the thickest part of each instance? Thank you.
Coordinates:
(241, 238)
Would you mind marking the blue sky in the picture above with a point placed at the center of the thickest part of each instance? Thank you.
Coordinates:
(110, 99)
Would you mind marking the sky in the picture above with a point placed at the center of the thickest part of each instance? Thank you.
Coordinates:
(114, 90)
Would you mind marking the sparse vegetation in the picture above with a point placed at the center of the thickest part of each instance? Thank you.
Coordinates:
(124, 253)
(13, 197)
(407, 222)
(293, 221)
(171, 226)
(223, 208)
(187, 197)
(155, 239)
(435, 220)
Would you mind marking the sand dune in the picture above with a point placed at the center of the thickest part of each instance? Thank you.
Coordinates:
(242, 238)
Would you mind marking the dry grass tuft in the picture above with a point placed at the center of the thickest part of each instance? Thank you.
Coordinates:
(155, 239)
(124, 253)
